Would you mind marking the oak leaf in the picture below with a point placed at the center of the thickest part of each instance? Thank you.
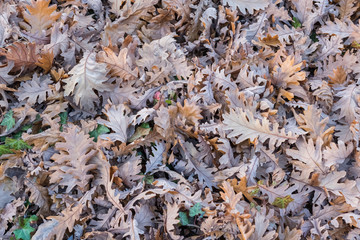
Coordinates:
(72, 162)
(244, 126)
(45, 61)
(286, 73)
(23, 55)
(249, 5)
(172, 219)
(118, 121)
(349, 102)
(35, 90)
(190, 112)
(309, 156)
(40, 16)
(59, 224)
(117, 65)
(311, 122)
(87, 76)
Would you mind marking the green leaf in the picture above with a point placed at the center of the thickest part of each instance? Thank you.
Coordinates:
(196, 210)
(63, 119)
(25, 230)
(255, 191)
(296, 23)
(183, 218)
(149, 179)
(145, 125)
(168, 101)
(23, 129)
(101, 129)
(8, 120)
(33, 218)
(16, 144)
(5, 150)
(282, 202)
(313, 37)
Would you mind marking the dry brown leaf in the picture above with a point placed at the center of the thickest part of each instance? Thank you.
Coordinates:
(23, 55)
(40, 16)
(117, 65)
(45, 61)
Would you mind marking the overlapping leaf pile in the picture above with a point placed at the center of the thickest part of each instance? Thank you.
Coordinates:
(179, 119)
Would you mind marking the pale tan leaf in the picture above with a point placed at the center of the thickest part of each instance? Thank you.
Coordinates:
(118, 121)
(248, 5)
(117, 65)
(72, 167)
(87, 76)
(244, 126)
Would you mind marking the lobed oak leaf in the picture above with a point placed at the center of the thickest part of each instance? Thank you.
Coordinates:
(168, 57)
(72, 162)
(23, 55)
(35, 90)
(117, 65)
(87, 76)
(171, 220)
(190, 112)
(262, 221)
(339, 76)
(118, 121)
(310, 155)
(248, 5)
(332, 182)
(156, 158)
(45, 61)
(40, 16)
(59, 40)
(312, 123)
(349, 102)
(181, 8)
(129, 170)
(58, 225)
(230, 198)
(244, 126)
(195, 163)
(336, 154)
(347, 8)
(286, 73)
